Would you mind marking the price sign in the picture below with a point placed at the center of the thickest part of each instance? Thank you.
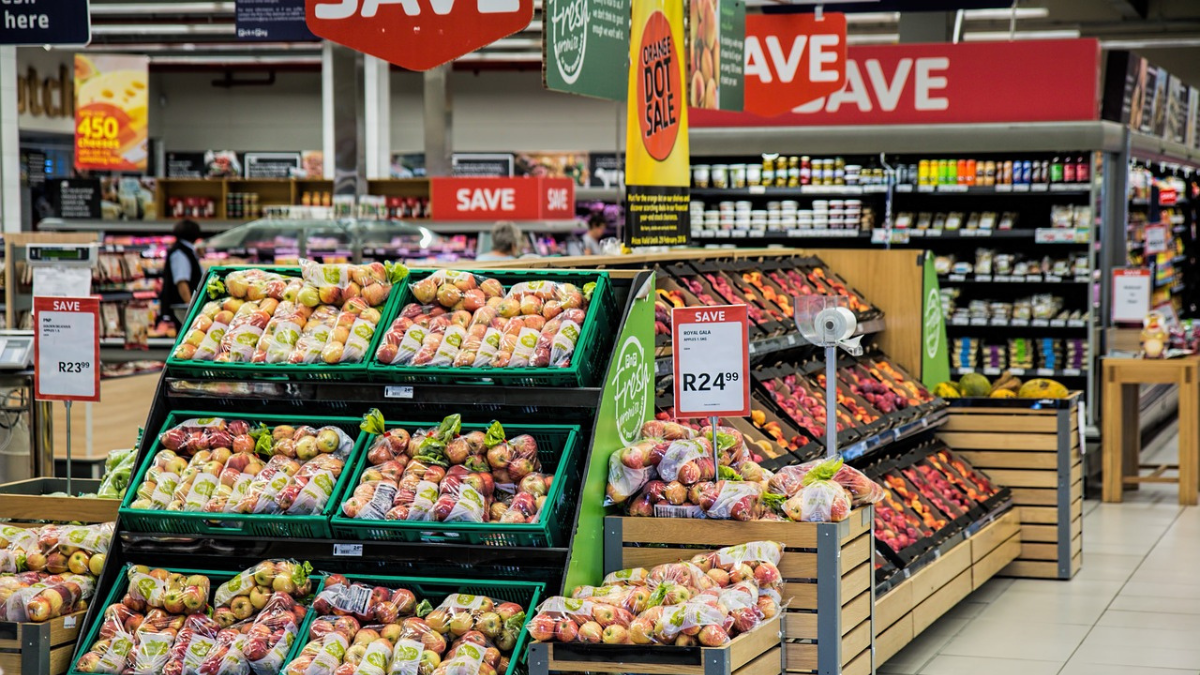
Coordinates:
(1157, 239)
(66, 345)
(711, 361)
(1130, 294)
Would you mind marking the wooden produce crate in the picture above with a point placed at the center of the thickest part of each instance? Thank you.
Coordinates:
(754, 653)
(959, 567)
(39, 648)
(1033, 447)
(829, 587)
(27, 500)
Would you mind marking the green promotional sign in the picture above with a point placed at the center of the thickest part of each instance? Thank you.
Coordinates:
(628, 401)
(935, 353)
(585, 47)
(717, 54)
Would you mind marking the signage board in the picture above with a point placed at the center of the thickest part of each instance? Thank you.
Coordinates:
(606, 170)
(502, 198)
(75, 197)
(792, 59)
(270, 164)
(716, 54)
(50, 22)
(66, 343)
(112, 104)
(943, 83)
(711, 361)
(1157, 237)
(272, 20)
(585, 47)
(417, 34)
(1131, 294)
(482, 165)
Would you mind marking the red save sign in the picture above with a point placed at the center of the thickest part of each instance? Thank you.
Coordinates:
(416, 34)
(792, 59)
(711, 361)
(502, 198)
(66, 349)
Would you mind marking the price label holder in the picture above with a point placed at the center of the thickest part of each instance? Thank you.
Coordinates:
(348, 550)
(711, 361)
(66, 354)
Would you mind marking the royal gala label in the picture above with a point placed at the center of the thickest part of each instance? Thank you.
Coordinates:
(502, 198)
(976, 82)
(792, 59)
(658, 88)
(417, 34)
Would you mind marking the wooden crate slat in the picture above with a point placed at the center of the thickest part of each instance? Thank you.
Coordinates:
(992, 441)
(892, 640)
(1034, 496)
(799, 657)
(800, 625)
(1001, 411)
(894, 605)
(1031, 569)
(716, 533)
(861, 665)
(803, 595)
(855, 553)
(60, 659)
(1038, 515)
(936, 574)
(857, 581)
(1007, 423)
(856, 640)
(856, 611)
(992, 459)
(1039, 551)
(1024, 479)
(1039, 533)
(940, 602)
(993, 535)
(995, 561)
(767, 664)
(747, 647)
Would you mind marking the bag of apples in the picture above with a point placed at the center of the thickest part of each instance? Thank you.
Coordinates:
(284, 576)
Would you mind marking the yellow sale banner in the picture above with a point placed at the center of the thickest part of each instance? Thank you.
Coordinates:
(656, 141)
(111, 112)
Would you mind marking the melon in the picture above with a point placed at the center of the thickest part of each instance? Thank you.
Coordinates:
(1042, 388)
(947, 390)
(1003, 393)
(974, 384)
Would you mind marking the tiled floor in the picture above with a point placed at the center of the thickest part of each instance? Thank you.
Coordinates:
(1134, 608)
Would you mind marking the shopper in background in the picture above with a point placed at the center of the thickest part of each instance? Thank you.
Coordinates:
(182, 275)
(506, 243)
(597, 225)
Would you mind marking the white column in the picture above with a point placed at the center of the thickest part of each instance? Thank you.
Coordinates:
(10, 143)
(378, 117)
(327, 142)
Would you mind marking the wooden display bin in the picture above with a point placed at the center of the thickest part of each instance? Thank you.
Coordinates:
(28, 500)
(753, 653)
(828, 593)
(39, 648)
(962, 565)
(1033, 447)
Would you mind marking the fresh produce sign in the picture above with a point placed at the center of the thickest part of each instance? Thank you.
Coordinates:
(112, 96)
(413, 34)
(585, 46)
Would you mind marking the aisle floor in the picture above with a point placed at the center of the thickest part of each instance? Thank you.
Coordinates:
(1133, 609)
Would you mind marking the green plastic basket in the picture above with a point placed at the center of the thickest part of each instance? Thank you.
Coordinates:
(276, 371)
(239, 524)
(587, 362)
(525, 593)
(556, 450)
(118, 591)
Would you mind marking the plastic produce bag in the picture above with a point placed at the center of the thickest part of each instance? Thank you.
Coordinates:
(629, 469)
(732, 500)
(288, 576)
(821, 500)
(688, 461)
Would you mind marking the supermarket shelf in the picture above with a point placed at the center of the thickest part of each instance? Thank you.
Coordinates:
(870, 445)
(1017, 323)
(543, 226)
(1005, 190)
(800, 191)
(1023, 372)
(1013, 279)
(600, 194)
(208, 225)
(152, 343)
(780, 235)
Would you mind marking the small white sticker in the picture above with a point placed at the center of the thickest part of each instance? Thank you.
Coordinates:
(396, 391)
(69, 622)
(348, 550)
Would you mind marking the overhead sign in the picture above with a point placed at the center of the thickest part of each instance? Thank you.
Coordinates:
(656, 137)
(502, 198)
(66, 346)
(274, 20)
(111, 112)
(1131, 294)
(585, 47)
(417, 34)
(711, 361)
(793, 59)
(49, 22)
(943, 83)
(716, 54)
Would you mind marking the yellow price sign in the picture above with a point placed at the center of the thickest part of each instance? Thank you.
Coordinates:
(99, 127)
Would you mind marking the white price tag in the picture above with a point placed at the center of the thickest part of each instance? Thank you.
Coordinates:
(348, 550)
(69, 621)
(67, 349)
(711, 361)
(397, 391)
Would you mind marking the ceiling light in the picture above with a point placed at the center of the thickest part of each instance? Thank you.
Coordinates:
(164, 29)
(233, 59)
(873, 39)
(116, 9)
(1152, 43)
(1005, 14)
(1005, 36)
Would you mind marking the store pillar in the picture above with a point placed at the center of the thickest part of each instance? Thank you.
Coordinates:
(377, 116)
(342, 107)
(10, 153)
(439, 115)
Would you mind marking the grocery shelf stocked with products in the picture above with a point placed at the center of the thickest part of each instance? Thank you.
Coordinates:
(1160, 233)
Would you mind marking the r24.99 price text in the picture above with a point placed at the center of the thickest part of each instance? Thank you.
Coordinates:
(74, 366)
(707, 381)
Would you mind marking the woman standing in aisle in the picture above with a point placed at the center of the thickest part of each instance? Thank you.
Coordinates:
(181, 277)
(506, 243)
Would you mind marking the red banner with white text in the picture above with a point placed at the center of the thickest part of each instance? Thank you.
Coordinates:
(502, 198)
(976, 82)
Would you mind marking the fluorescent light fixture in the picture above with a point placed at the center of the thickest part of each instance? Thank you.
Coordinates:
(872, 17)
(873, 39)
(234, 59)
(1005, 14)
(299, 47)
(1152, 43)
(492, 57)
(122, 8)
(164, 29)
(1005, 36)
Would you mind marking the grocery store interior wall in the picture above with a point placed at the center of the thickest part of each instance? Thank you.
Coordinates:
(493, 111)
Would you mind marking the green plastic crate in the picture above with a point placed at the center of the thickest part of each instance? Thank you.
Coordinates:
(587, 362)
(525, 593)
(276, 371)
(239, 524)
(557, 447)
(118, 591)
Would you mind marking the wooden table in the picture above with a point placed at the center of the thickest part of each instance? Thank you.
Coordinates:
(1121, 440)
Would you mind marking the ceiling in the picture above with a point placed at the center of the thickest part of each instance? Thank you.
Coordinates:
(198, 34)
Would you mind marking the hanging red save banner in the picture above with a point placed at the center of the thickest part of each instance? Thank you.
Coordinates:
(416, 34)
(792, 59)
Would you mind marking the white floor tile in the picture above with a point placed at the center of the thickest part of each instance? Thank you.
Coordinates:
(994, 638)
(958, 665)
(1118, 618)
(1075, 667)
(1045, 608)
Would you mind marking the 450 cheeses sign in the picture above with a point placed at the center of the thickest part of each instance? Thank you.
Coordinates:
(417, 34)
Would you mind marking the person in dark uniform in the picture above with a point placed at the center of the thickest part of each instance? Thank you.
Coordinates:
(182, 274)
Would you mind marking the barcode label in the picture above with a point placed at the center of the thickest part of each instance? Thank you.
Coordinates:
(395, 391)
(671, 511)
(350, 550)
(354, 599)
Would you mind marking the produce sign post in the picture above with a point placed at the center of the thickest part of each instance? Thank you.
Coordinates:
(67, 348)
(711, 364)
